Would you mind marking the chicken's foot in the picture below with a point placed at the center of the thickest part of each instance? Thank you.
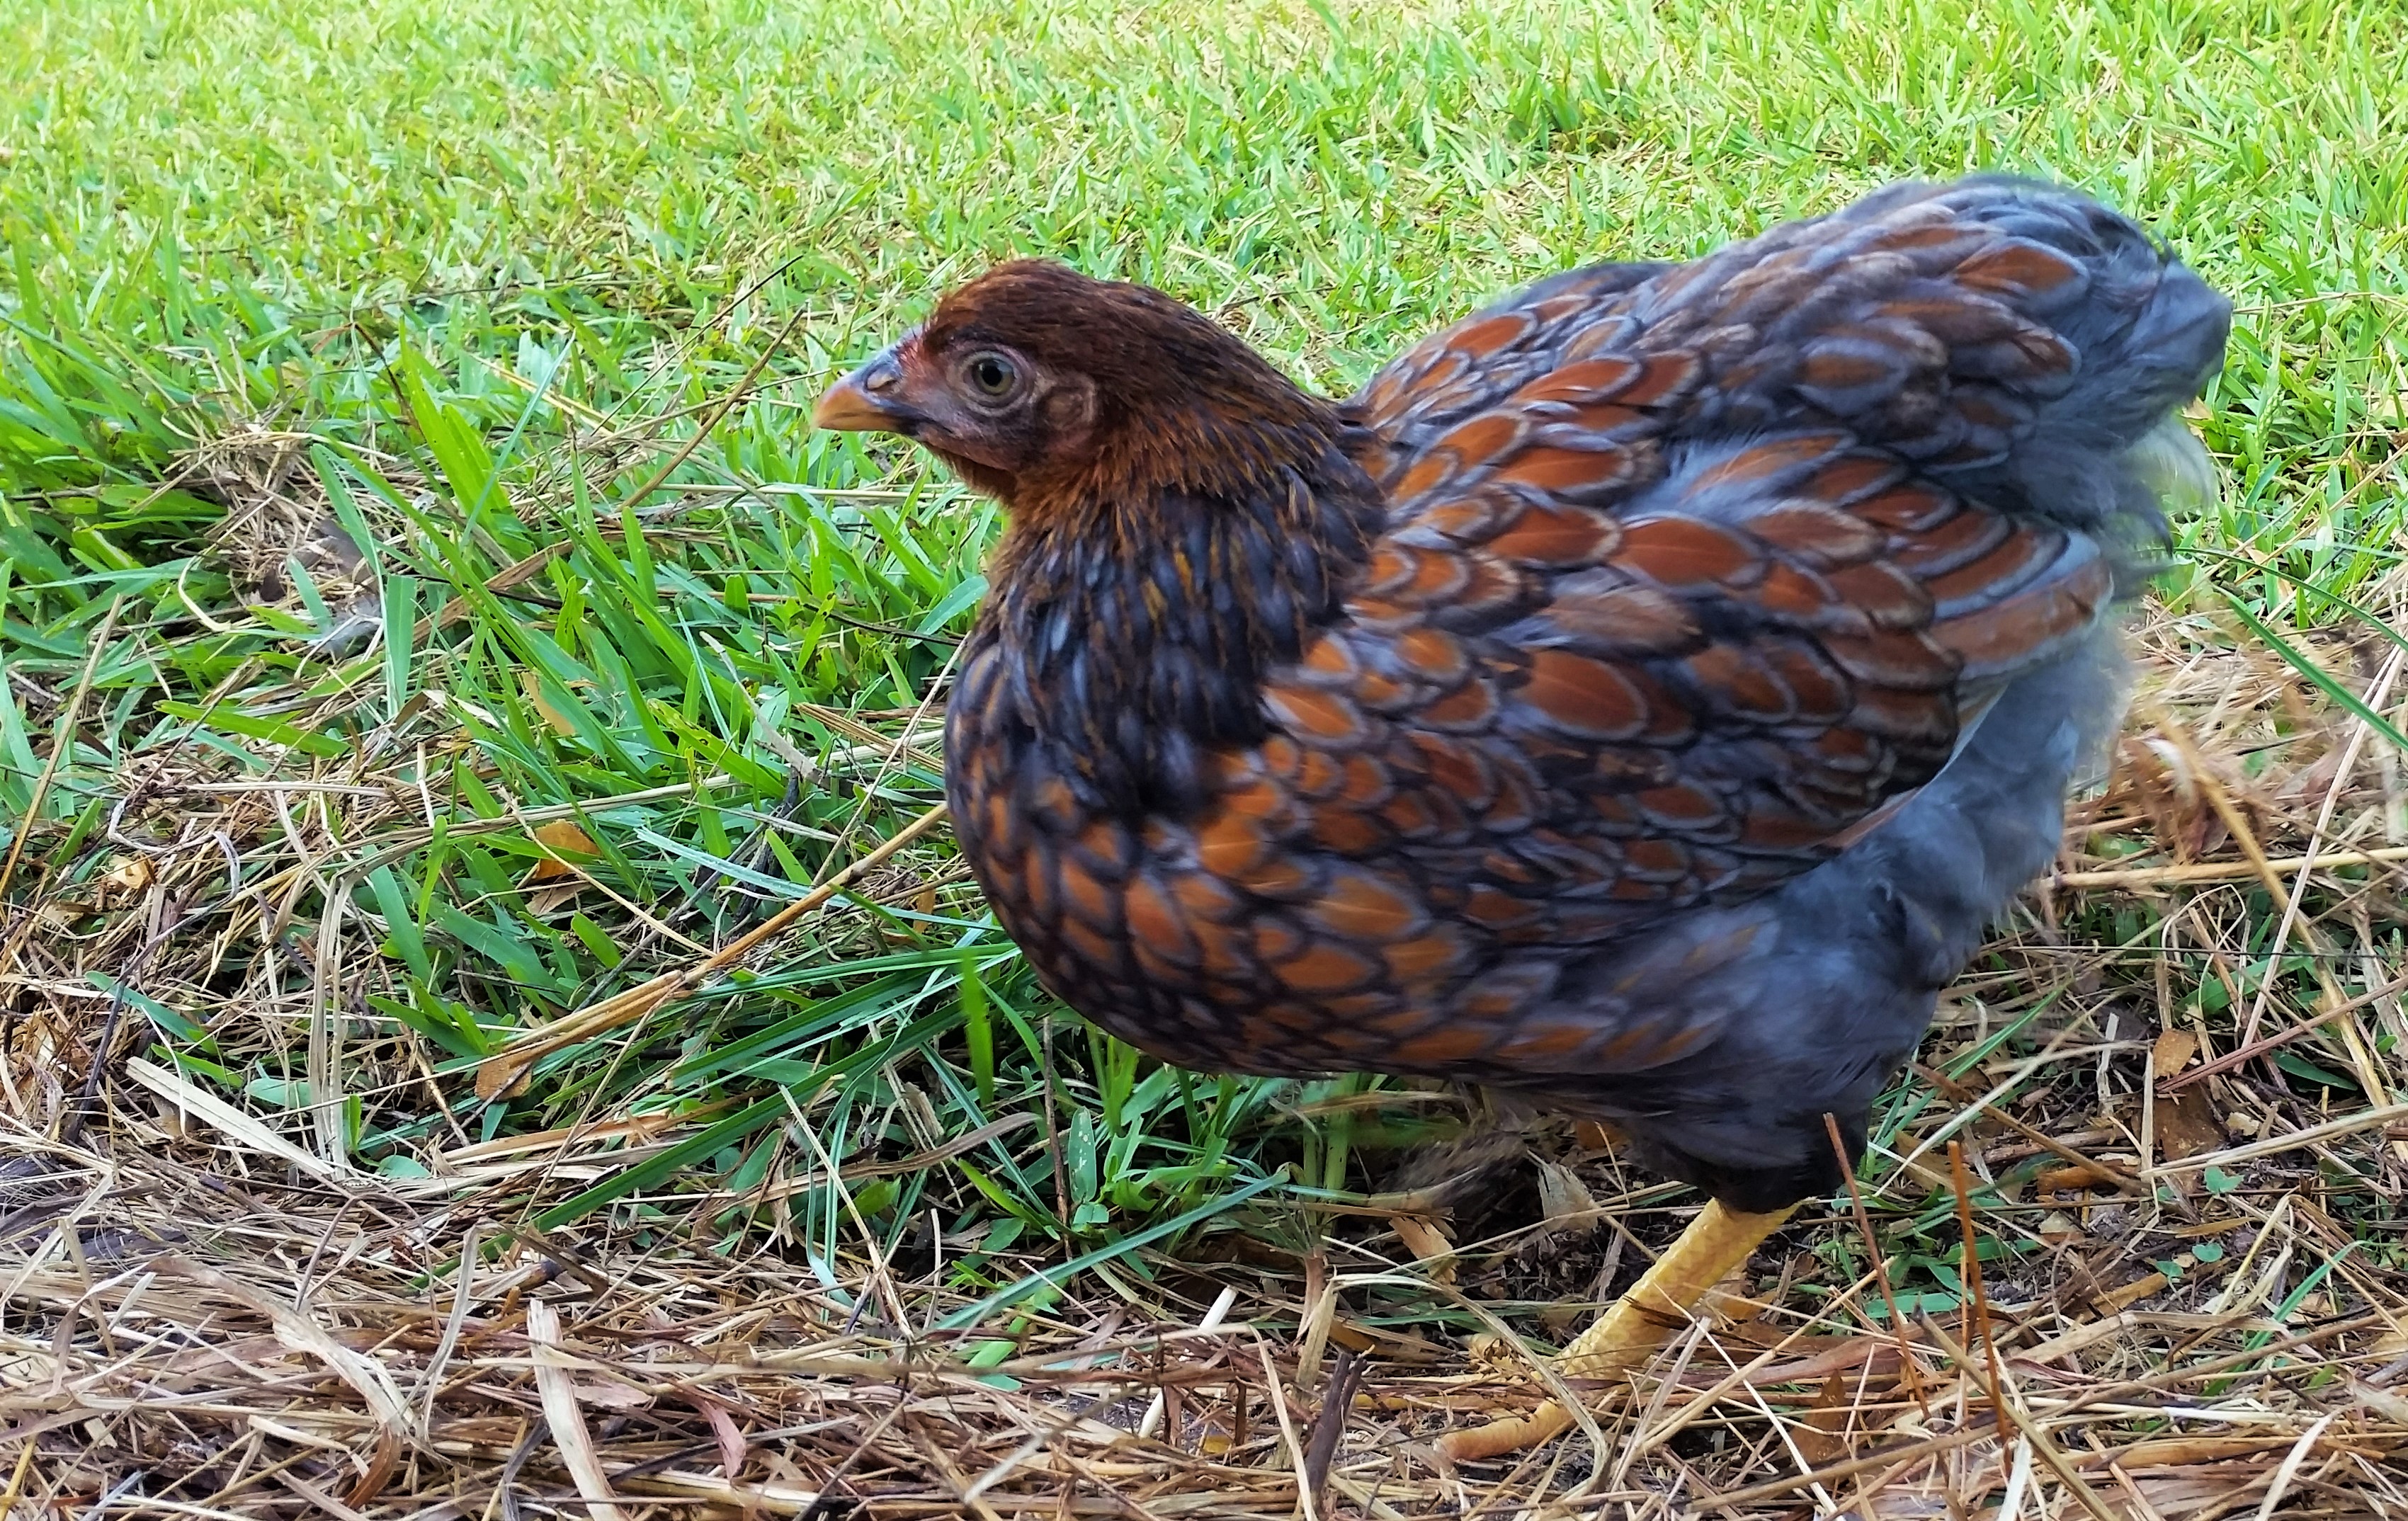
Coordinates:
(1635, 1329)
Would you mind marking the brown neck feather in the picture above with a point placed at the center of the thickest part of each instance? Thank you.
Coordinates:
(1139, 605)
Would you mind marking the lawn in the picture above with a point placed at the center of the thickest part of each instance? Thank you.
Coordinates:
(427, 615)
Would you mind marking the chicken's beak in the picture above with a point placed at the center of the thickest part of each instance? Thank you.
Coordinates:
(868, 400)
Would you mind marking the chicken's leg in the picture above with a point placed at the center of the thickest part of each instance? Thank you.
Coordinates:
(1640, 1323)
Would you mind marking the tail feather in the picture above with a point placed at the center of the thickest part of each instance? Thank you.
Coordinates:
(2148, 335)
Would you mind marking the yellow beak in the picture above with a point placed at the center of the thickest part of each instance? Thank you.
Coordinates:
(868, 400)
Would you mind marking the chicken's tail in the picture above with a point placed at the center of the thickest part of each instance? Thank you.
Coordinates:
(2015, 338)
(2108, 450)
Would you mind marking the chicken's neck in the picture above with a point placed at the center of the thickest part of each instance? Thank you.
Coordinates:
(1129, 634)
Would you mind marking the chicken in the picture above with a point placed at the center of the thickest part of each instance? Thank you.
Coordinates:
(1639, 696)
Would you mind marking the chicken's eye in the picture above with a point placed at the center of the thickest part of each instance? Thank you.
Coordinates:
(992, 376)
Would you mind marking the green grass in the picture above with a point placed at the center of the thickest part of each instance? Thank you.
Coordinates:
(469, 278)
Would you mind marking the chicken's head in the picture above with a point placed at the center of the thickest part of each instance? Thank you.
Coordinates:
(1041, 386)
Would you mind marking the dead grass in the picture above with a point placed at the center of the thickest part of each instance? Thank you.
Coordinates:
(2194, 1306)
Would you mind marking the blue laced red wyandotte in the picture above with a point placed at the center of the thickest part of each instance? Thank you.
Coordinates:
(1639, 696)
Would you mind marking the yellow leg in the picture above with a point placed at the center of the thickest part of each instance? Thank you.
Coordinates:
(1638, 1324)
